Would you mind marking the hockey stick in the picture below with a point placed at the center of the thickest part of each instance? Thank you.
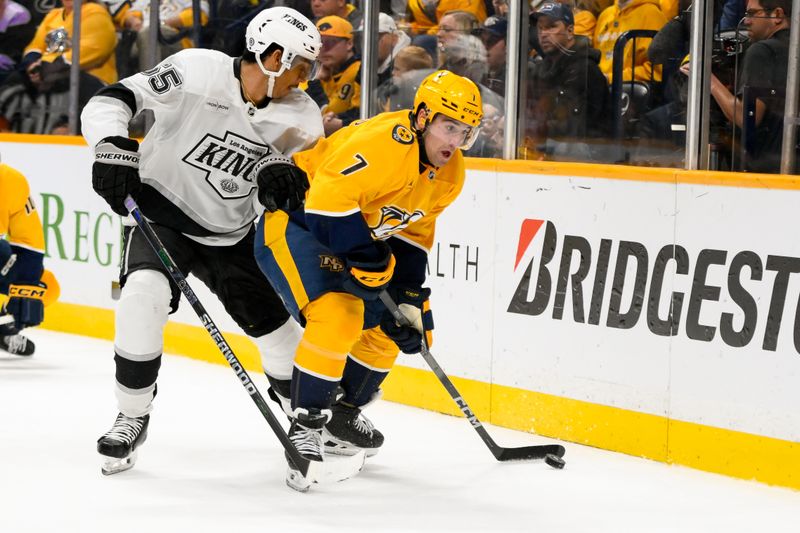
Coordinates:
(312, 470)
(551, 453)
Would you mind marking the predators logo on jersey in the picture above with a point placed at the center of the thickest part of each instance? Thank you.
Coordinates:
(402, 134)
(393, 220)
(331, 262)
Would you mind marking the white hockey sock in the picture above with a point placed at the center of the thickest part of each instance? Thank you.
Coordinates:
(278, 349)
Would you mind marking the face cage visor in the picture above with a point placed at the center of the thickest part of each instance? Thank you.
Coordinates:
(445, 129)
(288, 61)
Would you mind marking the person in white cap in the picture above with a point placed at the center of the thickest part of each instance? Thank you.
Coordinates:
(390, 42)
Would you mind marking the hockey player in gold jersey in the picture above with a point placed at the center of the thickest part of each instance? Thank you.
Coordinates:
(28, 287)
(377, 187)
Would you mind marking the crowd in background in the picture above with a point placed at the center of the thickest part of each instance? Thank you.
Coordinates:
(570, 108)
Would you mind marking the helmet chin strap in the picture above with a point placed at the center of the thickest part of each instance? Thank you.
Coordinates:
(270, 85)
(271, 76)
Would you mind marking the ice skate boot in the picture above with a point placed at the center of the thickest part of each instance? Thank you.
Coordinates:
(118, 446)
(17, 344)
(349, 431)
(279, 391)
(14, 343)
(306, 435)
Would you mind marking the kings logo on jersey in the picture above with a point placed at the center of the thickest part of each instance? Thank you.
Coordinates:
(227, 163)
(393, 220)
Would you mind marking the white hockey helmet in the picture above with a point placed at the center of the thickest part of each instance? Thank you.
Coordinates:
(290, 30)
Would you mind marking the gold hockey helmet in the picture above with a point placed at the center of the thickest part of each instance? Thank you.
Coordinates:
(453, 96)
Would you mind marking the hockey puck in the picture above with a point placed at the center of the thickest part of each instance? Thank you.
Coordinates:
(554, 461)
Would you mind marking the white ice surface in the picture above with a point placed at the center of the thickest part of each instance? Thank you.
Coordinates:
(211, 464)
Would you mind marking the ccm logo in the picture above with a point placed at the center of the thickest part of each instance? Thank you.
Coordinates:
(27, 292)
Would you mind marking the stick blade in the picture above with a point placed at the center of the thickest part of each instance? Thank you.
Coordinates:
(331, 470)
(529, 453)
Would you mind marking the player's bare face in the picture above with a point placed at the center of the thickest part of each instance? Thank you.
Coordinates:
(291, 79)
(443, 137)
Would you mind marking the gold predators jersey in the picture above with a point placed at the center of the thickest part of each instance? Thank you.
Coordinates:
(19, 221)
(371, 170)
(343, 88)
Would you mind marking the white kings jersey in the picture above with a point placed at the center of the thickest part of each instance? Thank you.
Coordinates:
(196, 159)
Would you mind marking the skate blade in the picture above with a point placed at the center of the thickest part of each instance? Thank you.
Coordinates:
(331, 470)
(339, 448)
(114, 465)
(296, 481)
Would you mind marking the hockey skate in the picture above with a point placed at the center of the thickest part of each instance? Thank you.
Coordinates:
(118, 446)
(305, 434)
(10, 339)
(349, 431)
(17, 344)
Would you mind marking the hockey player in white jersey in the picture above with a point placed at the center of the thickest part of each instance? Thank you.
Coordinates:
(224, 128)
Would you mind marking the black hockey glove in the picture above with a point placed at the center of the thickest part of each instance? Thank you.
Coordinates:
(26, 304)
(281, 184)
(115, 173)
(413, 303)
(369, 273)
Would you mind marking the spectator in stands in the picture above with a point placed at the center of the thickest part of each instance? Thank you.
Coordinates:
(37, 9)
(408, 62)
(670, 8)
(337, 89)
(425, 16)
(36, 99)
(126, 53)
(765, 67)
(118, 9)
(338, 8)
(411, 58)
(53, 39)
(585, 20)
(411, 66)
(500, 8)
(453, 24)
(617, 19)
(493, 36)
(390, 42)
(567, 96)
(16, 29)
(585, 23)
(464, 55)
(176, 16)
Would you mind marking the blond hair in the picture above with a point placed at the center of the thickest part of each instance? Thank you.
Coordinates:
(413, 58)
